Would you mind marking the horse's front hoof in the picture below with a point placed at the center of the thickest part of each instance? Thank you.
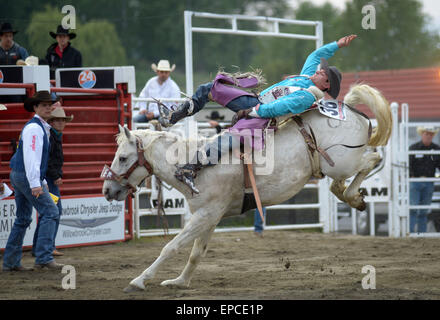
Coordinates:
(131, 288)
(362, 206)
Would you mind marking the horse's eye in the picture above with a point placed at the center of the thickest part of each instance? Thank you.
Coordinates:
(122, 159)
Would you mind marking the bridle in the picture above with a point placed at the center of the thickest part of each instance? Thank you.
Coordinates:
(108, 174)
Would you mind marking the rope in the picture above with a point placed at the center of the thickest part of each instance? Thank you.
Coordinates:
(160, 209)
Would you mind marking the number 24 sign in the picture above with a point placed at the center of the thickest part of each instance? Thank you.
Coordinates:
(87, 79)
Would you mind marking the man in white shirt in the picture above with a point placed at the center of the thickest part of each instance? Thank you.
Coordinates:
(29, 165)
(160, 86)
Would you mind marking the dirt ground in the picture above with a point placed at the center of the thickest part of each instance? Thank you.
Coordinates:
(282, 265)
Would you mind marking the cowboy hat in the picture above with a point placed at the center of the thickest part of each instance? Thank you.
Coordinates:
(334, 76)
(215, 116)
(431, 129)
(7, 27)
(163, 65)
(59, 113)
(30, 61)
(40, 96)
(61, 31)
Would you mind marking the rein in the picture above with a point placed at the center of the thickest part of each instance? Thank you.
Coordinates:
(108, 174)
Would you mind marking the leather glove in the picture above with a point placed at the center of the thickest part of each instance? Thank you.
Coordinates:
(240, 115)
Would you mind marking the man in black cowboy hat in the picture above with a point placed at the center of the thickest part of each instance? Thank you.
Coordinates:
(61, 54)
(10, 51)
(29, 165)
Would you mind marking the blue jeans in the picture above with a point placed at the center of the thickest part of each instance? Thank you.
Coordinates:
(48, 212)
(420, 193)
(53, 188)
(258, 223)
(221, 146)
(200, 98)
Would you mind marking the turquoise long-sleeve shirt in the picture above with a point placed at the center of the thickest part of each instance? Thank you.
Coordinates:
(300, 100)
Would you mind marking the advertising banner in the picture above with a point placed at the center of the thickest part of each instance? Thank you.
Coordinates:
(84, 220)
(7, 218)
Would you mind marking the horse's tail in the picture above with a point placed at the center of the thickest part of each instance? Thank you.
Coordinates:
(373, 98)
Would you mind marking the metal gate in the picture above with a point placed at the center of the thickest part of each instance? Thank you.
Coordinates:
(400, 173)
(88, 144)
(326, 201)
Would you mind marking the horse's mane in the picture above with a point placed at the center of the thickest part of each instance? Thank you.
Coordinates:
(121, 137)
(153, 135)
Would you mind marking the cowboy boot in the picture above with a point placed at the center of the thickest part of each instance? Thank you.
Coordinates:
(170, 117)
(209, 157)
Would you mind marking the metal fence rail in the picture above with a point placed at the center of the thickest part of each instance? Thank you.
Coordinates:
(326, 203)
(401, 180)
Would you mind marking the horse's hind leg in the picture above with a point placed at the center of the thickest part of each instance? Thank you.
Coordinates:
(199, 224)
(198, 251)
(351, 194)
(337, 188)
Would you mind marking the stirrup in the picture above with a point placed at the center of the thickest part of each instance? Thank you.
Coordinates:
(187, 177)
(165, 116)
(164, 122)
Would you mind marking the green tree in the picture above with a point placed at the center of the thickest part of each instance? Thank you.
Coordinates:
(100, 45)
(283, 56)
(153, 30)
(401, 38)
(41, 23)
(97, 40)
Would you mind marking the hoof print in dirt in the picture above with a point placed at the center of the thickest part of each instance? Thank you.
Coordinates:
(286, 262)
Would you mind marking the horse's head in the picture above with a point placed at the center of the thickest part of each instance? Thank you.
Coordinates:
(128, 169)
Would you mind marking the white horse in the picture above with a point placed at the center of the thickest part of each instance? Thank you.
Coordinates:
(222, 185)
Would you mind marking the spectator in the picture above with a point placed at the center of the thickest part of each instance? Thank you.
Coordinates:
(160, 86)
(54, 174)
(10, 51)
(61, 54)
(29, 166)
(422, 166)
(213, 120)
(258, 222)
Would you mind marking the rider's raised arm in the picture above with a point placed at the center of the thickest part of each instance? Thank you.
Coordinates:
(326, 52)
(314, 58)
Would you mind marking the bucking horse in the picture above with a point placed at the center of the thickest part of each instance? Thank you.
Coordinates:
(347, 146)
